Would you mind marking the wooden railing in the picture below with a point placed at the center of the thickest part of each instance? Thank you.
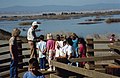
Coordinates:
(4, 62)
(77, 71)
(5, 59)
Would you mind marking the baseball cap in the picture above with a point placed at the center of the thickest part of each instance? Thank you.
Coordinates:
(36, 23)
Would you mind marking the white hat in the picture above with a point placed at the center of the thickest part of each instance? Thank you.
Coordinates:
(35, 23)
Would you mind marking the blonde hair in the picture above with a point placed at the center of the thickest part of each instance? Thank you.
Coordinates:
(49, 36)
(16, 32)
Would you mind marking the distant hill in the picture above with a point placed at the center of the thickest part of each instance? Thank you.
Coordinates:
(58, 8)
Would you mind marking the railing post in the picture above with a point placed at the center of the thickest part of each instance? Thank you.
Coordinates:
(90, 52)
(60, 71)
(20, 61)
(113, 70)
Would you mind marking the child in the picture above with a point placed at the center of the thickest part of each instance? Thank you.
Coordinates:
(82, 50)
(13, 47)
(33, 70)
(74, 38)
(69, 50)
(58, 46)
(63, 52)
(50, 50)
(41, 46)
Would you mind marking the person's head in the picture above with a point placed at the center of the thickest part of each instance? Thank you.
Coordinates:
(33, 65)
(41, 37)
(69, 41)
(63, 37)
(64, 43)
(16, 32)
(82, 41)
(49, 36)
(58, 37)
(74, 36)
(35, 24)
(113, 35)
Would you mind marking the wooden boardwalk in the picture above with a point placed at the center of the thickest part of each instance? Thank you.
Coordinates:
(102, 58)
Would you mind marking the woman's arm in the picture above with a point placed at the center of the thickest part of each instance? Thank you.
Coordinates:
(11, 51)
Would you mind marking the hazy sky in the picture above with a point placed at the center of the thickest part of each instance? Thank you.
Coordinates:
(8, 3)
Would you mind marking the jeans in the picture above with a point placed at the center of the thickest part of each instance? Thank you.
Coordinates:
(42, 63)
(13, 69)
(77, 55)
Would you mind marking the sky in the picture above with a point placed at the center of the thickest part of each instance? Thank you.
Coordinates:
(10, 3)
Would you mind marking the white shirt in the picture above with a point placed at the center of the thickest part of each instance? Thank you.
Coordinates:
(63, 50)
(31, 34)
(69, 50)
(57, 53)
(42, 46)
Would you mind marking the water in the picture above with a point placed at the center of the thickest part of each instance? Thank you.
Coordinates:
(69, 25)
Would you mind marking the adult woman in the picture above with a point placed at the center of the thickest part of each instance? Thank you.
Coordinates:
(13, 47)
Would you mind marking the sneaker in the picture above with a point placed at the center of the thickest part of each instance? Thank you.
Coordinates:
(42, 69)
(50, 69)
(53, 68)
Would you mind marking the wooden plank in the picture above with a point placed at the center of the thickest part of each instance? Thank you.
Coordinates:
(113, 70)
(114, 65)
(25, 56)
(117, 61)
(4, 45)
(94, 58)
(79, 70)
(90, 45)
(25, 49)
(7, 74)
(8, 59)
(21, 63)
(54, 76)
(7, 52)
(3, 53)
(97, 50)
(114, 47)
(104, 42)
(101, 42)
(7, 67)
(5, 60)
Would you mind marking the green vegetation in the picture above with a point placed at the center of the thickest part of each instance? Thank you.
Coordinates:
(112, 20)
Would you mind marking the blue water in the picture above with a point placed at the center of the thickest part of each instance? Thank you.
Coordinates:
(69, 25)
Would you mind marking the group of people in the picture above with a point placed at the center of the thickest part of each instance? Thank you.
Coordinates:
(56, 47)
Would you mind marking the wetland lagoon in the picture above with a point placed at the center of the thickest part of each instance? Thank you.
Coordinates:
(67, 25)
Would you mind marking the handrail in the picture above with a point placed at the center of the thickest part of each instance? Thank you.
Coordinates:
(94, 58)
(86, 72)
(6, 60)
